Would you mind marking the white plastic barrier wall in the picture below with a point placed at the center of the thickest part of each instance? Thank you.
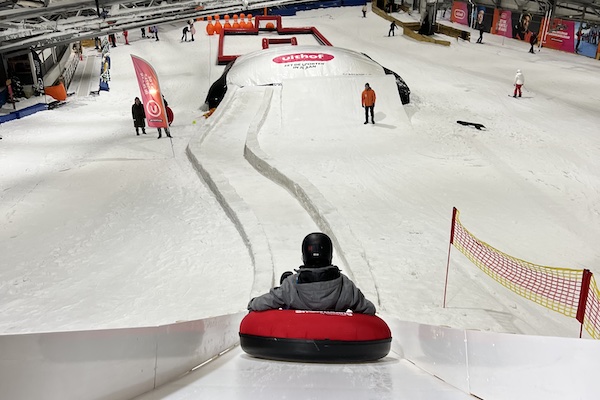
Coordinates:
(497, 366)
(109, 364)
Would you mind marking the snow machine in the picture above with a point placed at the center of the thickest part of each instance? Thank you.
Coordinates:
(315, 336)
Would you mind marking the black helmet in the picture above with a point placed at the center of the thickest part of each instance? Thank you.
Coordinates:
(317, 250)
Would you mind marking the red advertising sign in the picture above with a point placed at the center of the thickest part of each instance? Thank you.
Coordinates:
(460, 14)
(502, 24)
(560, 35)
(300, 57)
(155, 109)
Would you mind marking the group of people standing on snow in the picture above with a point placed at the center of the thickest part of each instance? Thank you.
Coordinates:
(189, 28)
(137, 109)
(153, 30)
(139, 118)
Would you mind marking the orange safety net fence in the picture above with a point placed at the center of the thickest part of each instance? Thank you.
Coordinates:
(560, 289)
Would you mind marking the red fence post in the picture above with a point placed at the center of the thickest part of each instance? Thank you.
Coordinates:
(449, 248)
(583, 296)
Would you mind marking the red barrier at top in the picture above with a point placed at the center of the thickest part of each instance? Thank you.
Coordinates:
(276, 20)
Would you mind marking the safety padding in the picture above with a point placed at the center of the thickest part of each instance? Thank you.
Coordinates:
(23, 112)
(31, 110)
(8, 117)
(315, 336)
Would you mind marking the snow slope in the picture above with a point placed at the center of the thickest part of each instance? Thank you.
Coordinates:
(104, 229)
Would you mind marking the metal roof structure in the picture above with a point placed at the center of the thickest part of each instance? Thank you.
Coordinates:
(39, 24)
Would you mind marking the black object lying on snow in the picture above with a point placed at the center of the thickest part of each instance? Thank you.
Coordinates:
(474, 124)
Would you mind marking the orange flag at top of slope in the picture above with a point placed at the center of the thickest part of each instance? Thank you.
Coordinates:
(156, 114)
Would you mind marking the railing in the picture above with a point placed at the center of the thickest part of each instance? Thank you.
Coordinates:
(70, 70)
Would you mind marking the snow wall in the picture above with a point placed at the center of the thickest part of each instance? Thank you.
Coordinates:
(111, 364)
(120, 364)
(500, 366)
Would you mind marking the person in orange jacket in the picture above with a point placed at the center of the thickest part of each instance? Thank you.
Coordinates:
(368, 102)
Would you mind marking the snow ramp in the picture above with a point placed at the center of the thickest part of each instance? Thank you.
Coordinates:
(270, 221)
(320, 132)
(228, 154)
(201, 359)
(235, 375)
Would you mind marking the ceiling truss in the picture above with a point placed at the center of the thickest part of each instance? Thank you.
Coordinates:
(65, 21)
(38, 24)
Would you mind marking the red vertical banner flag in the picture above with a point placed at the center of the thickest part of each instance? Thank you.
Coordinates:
(156, 114)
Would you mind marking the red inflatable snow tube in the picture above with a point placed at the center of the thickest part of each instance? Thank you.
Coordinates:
(315, 336)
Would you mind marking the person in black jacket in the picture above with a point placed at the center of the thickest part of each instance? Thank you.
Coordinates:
(139, 116)
(392, 28)
(533, 41)
(167, 131)
(185, 31)
(479, 25)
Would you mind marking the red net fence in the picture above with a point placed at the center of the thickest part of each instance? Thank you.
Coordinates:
(572, 292)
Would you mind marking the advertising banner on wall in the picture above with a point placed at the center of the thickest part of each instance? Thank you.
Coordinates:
(481, 19)
(521, 26)
(502, 23)
(560, 35)
(586, 39)
(526, 26)
(460, 13)
(573, 37)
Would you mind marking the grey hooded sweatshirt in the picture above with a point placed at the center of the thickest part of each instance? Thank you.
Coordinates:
(339, 294)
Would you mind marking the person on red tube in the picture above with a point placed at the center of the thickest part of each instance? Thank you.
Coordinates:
(317, 285)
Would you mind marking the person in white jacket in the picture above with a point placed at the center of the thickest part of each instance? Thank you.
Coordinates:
(519, 82)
